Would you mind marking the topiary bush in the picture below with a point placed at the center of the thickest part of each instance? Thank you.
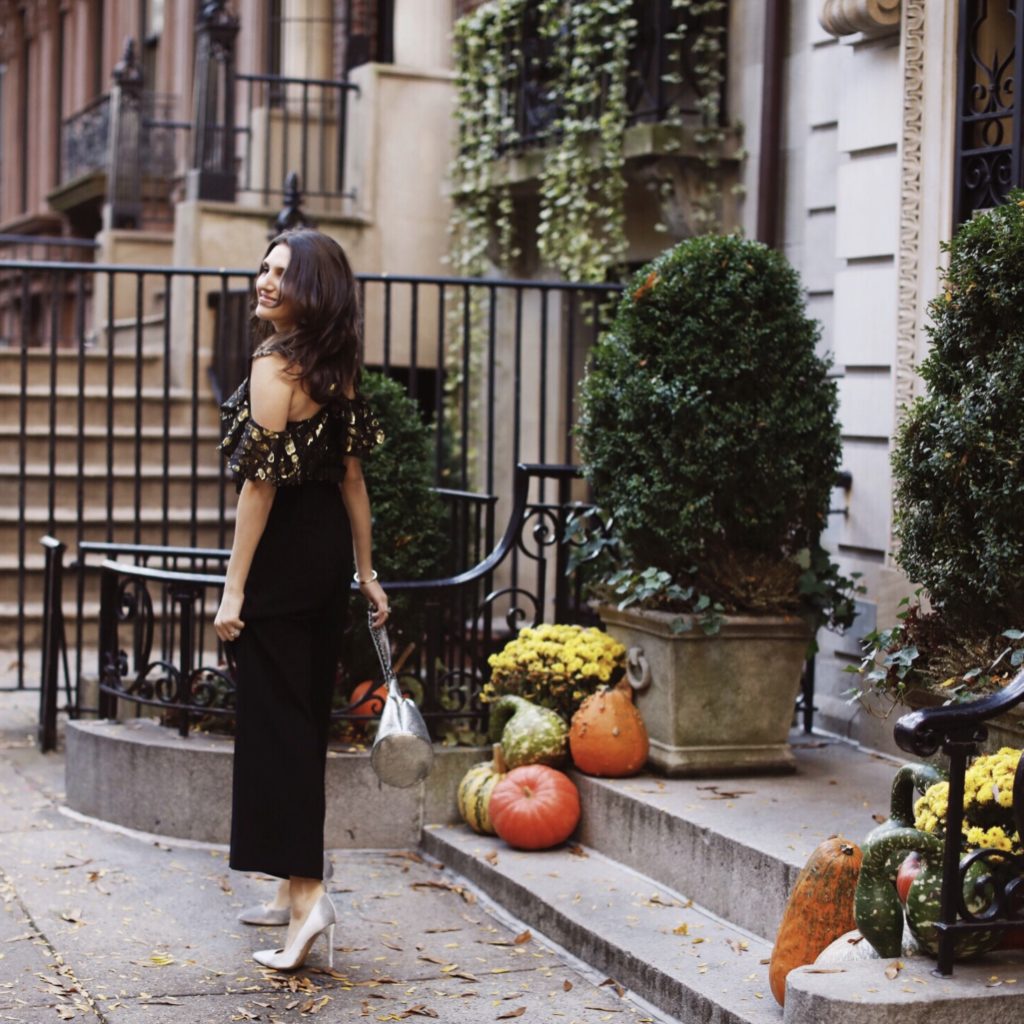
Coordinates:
(708, 430)
(958, 462)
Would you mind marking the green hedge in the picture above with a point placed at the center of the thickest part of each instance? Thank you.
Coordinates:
(958, 462)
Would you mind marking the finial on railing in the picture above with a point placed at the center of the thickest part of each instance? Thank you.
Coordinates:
(127, 71)
(291, 215)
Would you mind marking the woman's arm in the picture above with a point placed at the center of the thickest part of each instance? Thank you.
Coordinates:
(357, 504)
(270, 392)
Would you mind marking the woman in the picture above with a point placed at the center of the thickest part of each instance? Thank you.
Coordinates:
(295, 433)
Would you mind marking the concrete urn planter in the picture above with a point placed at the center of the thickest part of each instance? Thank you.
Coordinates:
(714, 705)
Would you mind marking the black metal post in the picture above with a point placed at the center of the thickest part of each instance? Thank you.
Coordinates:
(212, 174)
(185, 598)
(124, 158)
(107, 658)
(951, 886)
(53, 634)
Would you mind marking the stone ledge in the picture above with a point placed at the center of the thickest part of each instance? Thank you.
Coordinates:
(147, 777)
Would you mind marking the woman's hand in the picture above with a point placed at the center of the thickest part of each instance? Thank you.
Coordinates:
(227, 625)
(374, 593)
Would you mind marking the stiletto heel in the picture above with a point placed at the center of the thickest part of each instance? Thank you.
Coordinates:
(330, 946)
(320, 920)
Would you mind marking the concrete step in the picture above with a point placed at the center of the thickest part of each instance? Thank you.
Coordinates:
(27, 621)
(123, 406)
(148, 486)
(649, 938)
(738, 843)
(732, 847)
(67, 366)
(209, 529)
(121, 442)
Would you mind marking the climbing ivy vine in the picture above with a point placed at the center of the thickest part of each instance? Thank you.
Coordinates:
(587, 47)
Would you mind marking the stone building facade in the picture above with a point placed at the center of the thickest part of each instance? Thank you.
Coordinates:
(856, 120)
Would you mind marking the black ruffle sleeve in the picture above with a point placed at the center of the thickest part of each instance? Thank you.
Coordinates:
(313, 449)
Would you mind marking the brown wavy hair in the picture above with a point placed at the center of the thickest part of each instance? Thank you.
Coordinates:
(322, 346)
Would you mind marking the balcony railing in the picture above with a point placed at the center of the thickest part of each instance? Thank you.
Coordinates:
(662, 81)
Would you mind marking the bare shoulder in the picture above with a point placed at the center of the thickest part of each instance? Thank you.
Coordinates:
(270, 390)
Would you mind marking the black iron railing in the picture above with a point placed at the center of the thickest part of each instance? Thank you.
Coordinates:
(108, 428)
(157, 647)
(958, 731)
(293, 124)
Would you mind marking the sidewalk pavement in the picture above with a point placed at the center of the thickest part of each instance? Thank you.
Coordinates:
(103, 925)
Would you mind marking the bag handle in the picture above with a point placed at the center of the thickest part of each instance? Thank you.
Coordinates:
(381, 644)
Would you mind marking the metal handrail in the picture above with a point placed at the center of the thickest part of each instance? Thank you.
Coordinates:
(959, 730)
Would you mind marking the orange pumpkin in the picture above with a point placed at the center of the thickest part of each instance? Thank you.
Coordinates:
(535, 807)
(367, 705)
(608, 736)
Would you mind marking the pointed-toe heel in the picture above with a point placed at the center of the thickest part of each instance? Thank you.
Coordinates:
(321, 920)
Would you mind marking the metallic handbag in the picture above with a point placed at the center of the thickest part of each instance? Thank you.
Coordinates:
(402, 753)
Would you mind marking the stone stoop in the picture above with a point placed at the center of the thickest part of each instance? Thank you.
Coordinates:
(675, 888)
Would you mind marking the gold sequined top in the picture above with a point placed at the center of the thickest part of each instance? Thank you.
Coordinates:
(312, 449)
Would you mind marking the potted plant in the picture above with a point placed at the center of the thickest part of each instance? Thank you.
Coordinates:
(709, 435)
(958, 474)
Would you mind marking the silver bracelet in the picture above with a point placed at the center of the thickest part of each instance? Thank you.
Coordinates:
(360, 581)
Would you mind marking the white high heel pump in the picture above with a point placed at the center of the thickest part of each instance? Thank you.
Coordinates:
(320, 921)
(270, 917)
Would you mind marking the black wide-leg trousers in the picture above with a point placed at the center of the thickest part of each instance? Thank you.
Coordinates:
(286, 662)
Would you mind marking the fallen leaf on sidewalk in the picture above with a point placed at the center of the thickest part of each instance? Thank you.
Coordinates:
(65, 1012)
(73, 916)
(158, 960)
(419, 1010)
(614, 985)
(459, 890)
(893, 970)
(314, 1005)
(523, 937)
(492, 858)
(577, 851)
(162, 1001)
(567, 985)
(517, 1012)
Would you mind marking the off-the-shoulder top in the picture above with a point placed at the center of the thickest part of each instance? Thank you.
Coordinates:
(306, 450)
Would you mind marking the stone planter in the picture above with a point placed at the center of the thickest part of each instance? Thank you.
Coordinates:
(714, 705)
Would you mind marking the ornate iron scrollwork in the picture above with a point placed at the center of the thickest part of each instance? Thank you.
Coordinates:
(988, 152)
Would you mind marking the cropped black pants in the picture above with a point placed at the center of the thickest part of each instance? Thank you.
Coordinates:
(286, 662)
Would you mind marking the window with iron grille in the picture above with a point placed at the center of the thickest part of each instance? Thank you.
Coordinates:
(989, 84)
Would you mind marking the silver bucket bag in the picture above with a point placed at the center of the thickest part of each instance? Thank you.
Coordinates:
(402, 753)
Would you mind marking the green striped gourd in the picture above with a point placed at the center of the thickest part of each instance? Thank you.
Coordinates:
(528, 733)
(475, 790)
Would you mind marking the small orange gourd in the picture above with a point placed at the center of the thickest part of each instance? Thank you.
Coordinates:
(819, 909)
(607, 736)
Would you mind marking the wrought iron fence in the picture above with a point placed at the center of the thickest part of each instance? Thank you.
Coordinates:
(958, 731)
(109, 425)
(157, 647)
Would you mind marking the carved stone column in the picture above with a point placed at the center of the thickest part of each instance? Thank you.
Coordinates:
(872, 17)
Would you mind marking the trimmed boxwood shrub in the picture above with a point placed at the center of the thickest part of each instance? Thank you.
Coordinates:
(708, 428)
(958, 462)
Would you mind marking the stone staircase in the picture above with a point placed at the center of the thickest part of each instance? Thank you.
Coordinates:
(89, 450)
(674, 888)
